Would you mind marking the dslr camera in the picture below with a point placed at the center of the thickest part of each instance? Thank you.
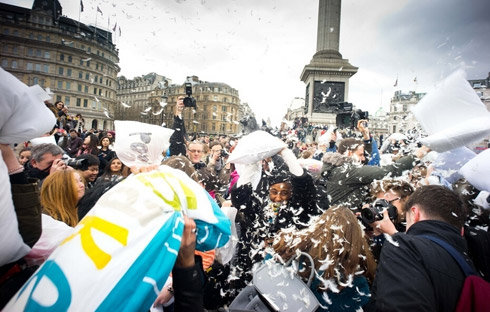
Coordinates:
(375, 211)
(223, 154)
(358, 115)
(189, 101)
(74, 163)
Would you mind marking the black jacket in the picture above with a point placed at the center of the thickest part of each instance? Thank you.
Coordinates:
(177, 140)
(418, 274)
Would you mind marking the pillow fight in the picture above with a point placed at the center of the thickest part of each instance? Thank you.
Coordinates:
(147, 218)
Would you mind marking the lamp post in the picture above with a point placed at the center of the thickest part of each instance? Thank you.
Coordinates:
(163, 103)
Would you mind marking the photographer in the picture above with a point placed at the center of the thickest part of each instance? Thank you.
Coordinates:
(178, 138)
(217, 163)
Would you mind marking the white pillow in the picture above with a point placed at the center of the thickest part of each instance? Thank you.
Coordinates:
(23, 113)
(477, 171)
(139, 143)
(11, 244)
(452, 115)
(449, 163)
(459, 135)
(41, 140)
(255, 147)
(313, 166)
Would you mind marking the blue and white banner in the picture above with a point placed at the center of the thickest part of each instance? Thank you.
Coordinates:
(122, 252)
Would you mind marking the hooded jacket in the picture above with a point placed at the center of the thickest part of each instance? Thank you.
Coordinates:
(348, 183)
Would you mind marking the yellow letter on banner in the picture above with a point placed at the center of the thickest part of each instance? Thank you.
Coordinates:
(168, 177)
(98, 256)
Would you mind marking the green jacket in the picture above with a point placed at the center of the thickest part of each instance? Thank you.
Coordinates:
(348, 183)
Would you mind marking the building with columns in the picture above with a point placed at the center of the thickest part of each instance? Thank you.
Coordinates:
(77, 62)
(327, 75)
(400, 117)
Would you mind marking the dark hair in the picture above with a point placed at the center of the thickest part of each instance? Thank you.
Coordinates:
(108, 172)
(402, 188)
(56, 103)
(90, 160)
(93, 144)
(349, 144)
(208, 179)
(104, 137)
(182, 163)
(214, 144)
(438, 203)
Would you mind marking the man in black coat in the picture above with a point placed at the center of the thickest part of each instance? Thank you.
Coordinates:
(178, 138)
(414, 273)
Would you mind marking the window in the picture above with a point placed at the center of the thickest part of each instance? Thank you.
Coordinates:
(222, 127)
(31, 36)
(35, 81)
(214, 127)
(86, 90)
(88, 63)
(97, 65)
(79, 89)
(89, 49)
(87, 76)
(215, 109)
(38, 67)
(14, 64)
(46, 68)
(223, 108)
(67, 100)
(80, 75)
(60, 85)
(42, 82)
(79, 102)
(6, 31)
(15, 50)
(39, 37)
(61, 70)
(62, 57)
(30, 66)
(70, 58)
(48, 38)
(47, 55)
(85, 103)
(68, 72)
(16, 33)
(68, 85)
(95, 91)
(81, 62)
(5, 48)
(100, 79)
(94, 104)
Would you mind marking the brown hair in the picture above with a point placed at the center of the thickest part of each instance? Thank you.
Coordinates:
(336, 236)
(59, 196)
(349, 144)
(400, 187)
(182, 163)
(438, 203)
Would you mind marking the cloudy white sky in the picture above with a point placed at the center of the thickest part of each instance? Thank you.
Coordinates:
(260, 47)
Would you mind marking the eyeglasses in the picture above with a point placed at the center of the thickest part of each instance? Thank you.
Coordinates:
(195, 151)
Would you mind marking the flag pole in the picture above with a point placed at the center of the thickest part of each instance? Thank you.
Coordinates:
(79, 13)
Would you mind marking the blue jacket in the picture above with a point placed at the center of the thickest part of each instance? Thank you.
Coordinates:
(348, 299)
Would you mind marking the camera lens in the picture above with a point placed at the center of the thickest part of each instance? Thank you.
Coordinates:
(368, 215)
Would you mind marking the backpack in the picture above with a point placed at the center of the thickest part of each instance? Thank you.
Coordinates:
(277, 288)
(475, 292)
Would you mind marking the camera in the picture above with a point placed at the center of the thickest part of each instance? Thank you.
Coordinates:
(375, 211)
(74, 163)
(223, 154)
(358, 115)
(189, 101)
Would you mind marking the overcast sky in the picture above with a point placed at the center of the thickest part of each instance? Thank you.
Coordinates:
(260, 47)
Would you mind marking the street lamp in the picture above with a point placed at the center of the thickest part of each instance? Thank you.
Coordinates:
(163, 103)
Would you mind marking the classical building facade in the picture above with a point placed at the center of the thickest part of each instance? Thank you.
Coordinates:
(134, 96)
(152, 99)
(78, 63)
(400, 119)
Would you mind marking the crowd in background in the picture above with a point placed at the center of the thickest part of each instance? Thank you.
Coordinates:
(320, 195)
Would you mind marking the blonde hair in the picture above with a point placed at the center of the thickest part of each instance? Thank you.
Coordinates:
(59, 196)
(335, 242)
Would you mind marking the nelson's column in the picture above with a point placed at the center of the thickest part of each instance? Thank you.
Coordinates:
(327, 75)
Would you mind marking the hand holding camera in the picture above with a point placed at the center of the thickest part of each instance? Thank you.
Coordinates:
(381, 216)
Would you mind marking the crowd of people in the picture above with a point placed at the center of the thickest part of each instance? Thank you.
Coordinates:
(361, 220)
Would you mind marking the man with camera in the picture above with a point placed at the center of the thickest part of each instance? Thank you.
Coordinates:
(415, 273)
(217, 163)
(347, 178)
(46, 159)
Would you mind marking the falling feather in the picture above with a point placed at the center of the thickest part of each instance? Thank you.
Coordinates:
(158, 113)
(96, 99)
(125, 105)
(147, 109)
(106, 113)
(87, 59)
